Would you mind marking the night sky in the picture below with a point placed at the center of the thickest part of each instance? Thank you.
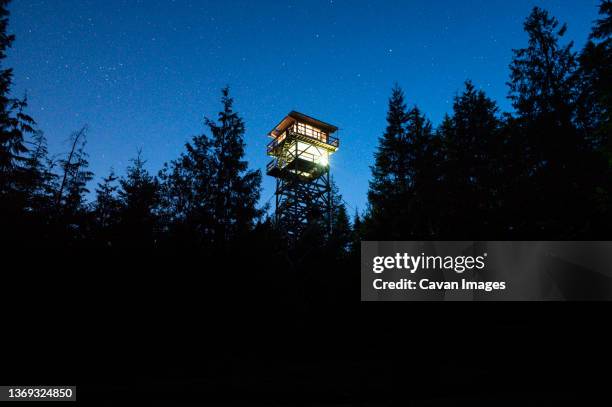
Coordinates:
(143, 73)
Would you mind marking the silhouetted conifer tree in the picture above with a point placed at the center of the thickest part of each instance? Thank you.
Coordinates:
(107, 207)
(541, 81)
(472, 166)
(542, 90)
(139, 195)
(595, 75)
(14, 125)
(41, 181)
(421, 203)
(341, 233)
(389, 184)
(187, 208)
(74, 177)
(208, 195)
(235, 188)
(357, 236)
(603, 26)
(594, 117)
(402, 193)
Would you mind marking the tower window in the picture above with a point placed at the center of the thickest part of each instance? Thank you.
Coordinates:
(310, 131)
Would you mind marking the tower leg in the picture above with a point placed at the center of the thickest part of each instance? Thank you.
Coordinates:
(276, 194)
(330, 204)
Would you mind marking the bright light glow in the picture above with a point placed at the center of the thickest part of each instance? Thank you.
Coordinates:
(323, 160)
(308, 152)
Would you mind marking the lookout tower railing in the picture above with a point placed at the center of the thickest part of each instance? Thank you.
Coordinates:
(315, 137)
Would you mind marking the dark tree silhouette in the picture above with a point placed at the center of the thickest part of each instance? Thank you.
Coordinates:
(357, 236)
(208, 195)
(389, 184)
(107, 209)
(594, 116)
(186, 204)
(70, 197)
(541, 80)
(603, 26)
(139, 197)
(542, 89)
(235, 189)
(422, 207)
(595, 76)
(14, 125)
(405, 175)
(71, 208)
(41, 181)
(472, 166)
(341, 232)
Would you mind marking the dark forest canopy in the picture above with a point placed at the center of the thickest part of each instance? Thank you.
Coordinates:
(541, 172)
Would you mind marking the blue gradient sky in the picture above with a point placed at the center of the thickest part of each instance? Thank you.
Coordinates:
(143, 73)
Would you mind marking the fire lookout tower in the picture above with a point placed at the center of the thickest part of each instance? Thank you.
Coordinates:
(301, 147)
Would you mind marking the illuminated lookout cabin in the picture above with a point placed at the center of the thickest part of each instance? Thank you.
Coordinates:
(301, 147)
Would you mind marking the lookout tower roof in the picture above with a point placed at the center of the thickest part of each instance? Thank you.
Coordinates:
(294, 116)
